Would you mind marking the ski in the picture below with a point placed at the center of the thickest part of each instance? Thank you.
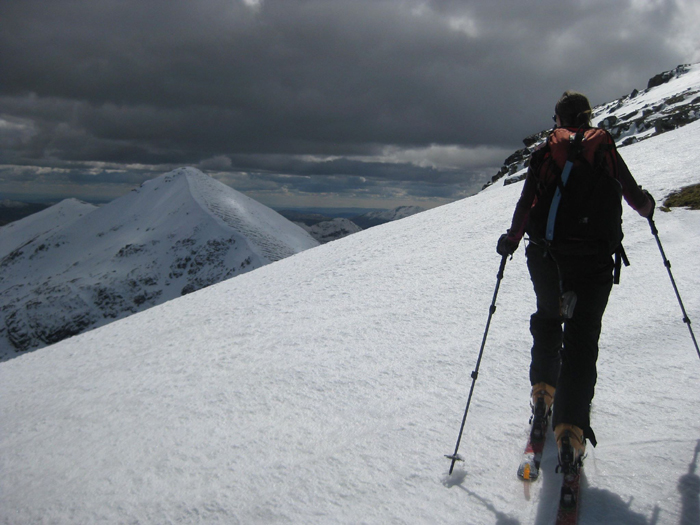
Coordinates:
(529, 469)
(567, 514)
(570, 465)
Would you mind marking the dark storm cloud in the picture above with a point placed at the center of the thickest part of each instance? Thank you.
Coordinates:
(347, 167)
(265, 86)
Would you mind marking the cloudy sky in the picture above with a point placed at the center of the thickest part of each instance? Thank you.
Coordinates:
(358, 103)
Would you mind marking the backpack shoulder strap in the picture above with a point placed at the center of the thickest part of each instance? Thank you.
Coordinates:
(573, 151)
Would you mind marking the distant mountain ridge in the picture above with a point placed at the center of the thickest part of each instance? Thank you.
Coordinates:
(325, 228)
(375, 218)
(74, 266)
(331, 229)
(17, 235)
(11, 211)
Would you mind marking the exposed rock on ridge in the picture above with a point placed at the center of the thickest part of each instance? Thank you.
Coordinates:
(671, 100)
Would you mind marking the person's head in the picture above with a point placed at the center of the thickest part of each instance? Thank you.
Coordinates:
(573, 109)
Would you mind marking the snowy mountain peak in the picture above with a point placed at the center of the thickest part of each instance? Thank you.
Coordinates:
(73, 267)
(269, 234)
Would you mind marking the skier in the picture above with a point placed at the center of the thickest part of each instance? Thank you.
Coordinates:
(571, 269)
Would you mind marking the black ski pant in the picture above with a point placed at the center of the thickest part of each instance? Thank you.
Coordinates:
(565, 357)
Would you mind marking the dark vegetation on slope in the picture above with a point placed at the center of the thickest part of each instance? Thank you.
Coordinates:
(687, 197)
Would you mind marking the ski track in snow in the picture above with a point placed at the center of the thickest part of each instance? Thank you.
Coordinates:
(326, 387)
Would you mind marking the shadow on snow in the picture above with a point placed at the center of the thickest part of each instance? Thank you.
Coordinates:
(601, 506)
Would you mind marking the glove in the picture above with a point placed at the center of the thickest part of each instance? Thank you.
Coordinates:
(650, 215)
(506, 245)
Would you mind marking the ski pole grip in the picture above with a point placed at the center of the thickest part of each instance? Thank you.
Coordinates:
(502, 268)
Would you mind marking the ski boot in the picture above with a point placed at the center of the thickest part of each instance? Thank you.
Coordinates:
(542, 399)
(572, 447)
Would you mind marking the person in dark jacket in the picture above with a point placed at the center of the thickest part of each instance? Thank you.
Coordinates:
(572, 279)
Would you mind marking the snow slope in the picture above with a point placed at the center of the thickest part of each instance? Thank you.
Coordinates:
(74, 267)
(325, 388)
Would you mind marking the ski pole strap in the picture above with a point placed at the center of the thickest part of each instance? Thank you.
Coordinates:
(620, 257)
(554, 206)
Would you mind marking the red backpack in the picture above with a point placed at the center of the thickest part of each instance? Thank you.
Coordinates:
(579, 198)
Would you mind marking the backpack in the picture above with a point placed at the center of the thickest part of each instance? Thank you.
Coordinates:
(579, 199)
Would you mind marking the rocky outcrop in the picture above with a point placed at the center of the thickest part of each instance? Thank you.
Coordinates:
(664, 77)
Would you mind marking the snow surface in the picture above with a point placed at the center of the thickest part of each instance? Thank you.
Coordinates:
(326, 387)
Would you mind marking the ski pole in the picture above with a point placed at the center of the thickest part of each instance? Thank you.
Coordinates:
(667, 264)
(456, 457)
